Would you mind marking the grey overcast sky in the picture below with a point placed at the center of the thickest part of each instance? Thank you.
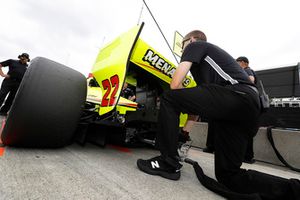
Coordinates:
(72, 31)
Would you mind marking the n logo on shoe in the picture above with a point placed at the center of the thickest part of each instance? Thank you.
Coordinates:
(154, 164)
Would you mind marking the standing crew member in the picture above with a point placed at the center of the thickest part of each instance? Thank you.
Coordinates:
(13, 78)
(225, 95)
(244, 63)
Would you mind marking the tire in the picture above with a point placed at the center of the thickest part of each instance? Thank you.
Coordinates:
(47, 106)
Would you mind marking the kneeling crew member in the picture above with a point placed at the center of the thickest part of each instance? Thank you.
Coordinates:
(225, 95)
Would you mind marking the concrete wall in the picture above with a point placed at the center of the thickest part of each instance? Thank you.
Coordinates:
(199, 134)
(286, 141)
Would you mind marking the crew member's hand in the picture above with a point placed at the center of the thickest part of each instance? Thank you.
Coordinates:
(6, 76)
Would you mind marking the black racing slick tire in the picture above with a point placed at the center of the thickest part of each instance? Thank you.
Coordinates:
(47, 106)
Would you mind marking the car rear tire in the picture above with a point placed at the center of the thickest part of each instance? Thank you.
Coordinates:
(47, 106)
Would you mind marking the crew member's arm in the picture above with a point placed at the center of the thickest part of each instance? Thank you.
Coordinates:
(252, 79)
(250, 74)
(176, 83)
(132, 98)
(2, 73)
(179, 75)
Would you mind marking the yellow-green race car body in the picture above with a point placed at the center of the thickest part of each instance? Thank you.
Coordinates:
(128, 60)
(118, 103)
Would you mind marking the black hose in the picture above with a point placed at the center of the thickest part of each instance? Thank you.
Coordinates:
(217, 187)
(271, 140)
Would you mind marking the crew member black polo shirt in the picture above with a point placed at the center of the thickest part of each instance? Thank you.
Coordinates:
(212, 64)
(250, 72)
(16, 69)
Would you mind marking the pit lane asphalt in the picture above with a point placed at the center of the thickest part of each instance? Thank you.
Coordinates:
(92, 172)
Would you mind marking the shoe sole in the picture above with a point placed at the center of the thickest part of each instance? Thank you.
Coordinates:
(249, 161)
(174, 176)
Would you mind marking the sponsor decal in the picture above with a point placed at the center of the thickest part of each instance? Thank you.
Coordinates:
(154, 164)
(162, 65)
(111, 84)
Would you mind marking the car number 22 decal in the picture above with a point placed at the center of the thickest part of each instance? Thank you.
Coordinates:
(109, 85)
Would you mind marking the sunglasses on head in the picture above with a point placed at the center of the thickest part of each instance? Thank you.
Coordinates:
(184, 41)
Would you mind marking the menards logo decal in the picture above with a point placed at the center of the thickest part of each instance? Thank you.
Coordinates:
(162, 65)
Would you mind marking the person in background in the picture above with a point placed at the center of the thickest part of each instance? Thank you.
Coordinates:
(244, 63)
(184, 133)
(225, 95)
(127, 92)
(12, 80)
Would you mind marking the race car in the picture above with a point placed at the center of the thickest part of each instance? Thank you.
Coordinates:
(56, 105)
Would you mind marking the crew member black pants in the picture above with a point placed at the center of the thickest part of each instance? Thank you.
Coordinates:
(8, 86)
(234, 110)
(210, 141)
